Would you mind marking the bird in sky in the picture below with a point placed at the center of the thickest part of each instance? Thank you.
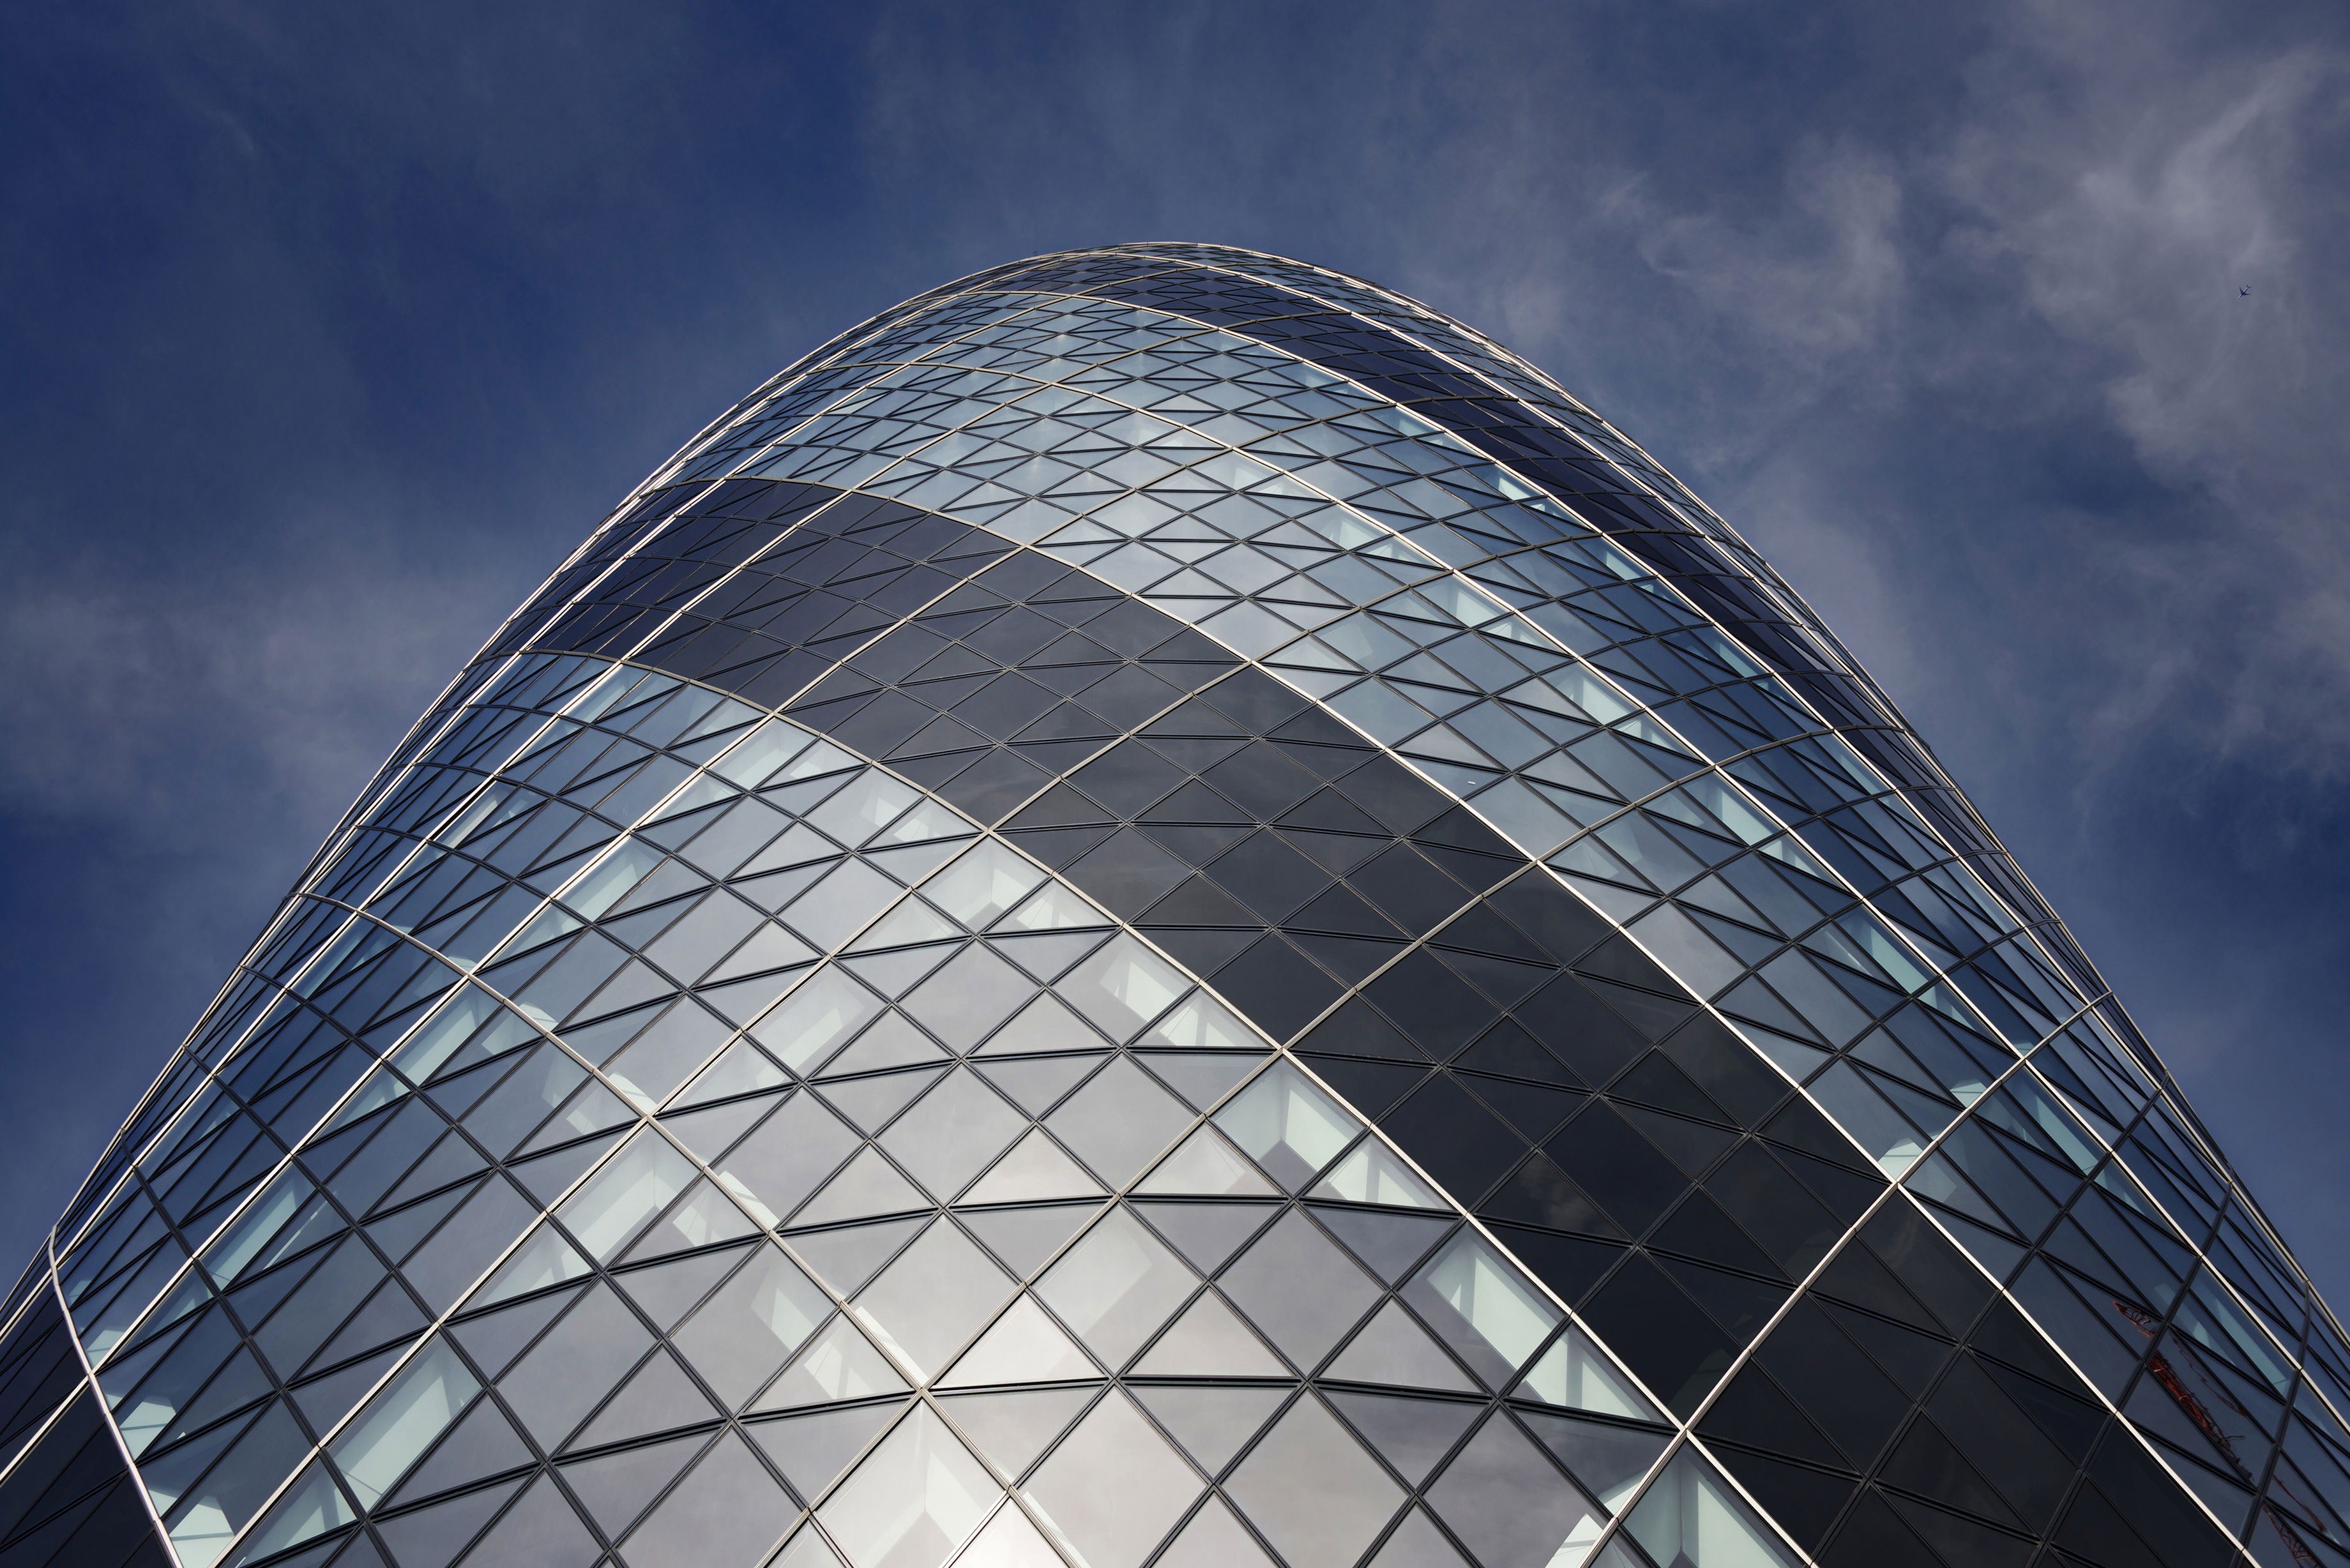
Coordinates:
(2244, 293)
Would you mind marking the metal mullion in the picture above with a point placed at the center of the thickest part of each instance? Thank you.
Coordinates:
(106, 1416)
(42, 1428)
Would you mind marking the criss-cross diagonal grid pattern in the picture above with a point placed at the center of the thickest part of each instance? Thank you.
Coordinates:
(1161, 908)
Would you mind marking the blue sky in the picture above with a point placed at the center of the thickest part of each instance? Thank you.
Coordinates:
(327, 330)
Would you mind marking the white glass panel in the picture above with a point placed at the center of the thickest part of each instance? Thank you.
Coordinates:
(1691, 1516)
(1374, 1175)
(1289, 1126)
(1574, 1374)
(1476, 1300)
(636, 1185)
(376, 1448)
(913, 1500)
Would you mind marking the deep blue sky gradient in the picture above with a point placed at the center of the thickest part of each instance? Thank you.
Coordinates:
(327, 329)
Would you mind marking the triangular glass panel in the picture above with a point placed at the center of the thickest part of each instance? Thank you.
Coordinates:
(1299, 1289)
(741, 1069)
(1046, 955)
(1574, 1374)
(431, 1537)
(813, 1449)
(1211, 1423)
(741, 1001)
(617, 1487)
(1389, 1243)
(309, 1507)
(702, 1218)
(1487, 1311)
(547, 1177)
(967, 998)
(659, 1397)
(1204, 1023)
(1393, 1349)
(1036, 1170)
(1056, 907)
(1310, 1488)
(838, 1363)
(1024, 1345)
(1046, 1024)
(910, 923)
(763, 1313)
(1011, 1430)
(868, 1185)
(483, 1444)
(1119, 1119)
(496, 1338)
(770, 948)
(913, 862)
(1117, 1286)
(1214, 1539)
(608, 1209)
(847, 1258)
(930, 1299)
(1372, 1174)
(1024, 1237)
(396, 1234)
(1035, 1082)
(895, 973)
(1207, 1234)
(870, 1102)
(1205, 1166)
(324, 1401)
(542, 1526)
(983, 884)
(710, 1133)
(1007, 1540)
(727, 1510)
(1691, 1509)
(390, 1313)
(1411, 1435)
(1201, 1077)
(1114, 1488)
(667, 1291)
(914, 1499)
(1287, 1125)
(893, 1042)
(1209, 1341)
(1548, 1516)
(1609, 1461)
(1123, 987)
(951, 1134)
(1418, 1544)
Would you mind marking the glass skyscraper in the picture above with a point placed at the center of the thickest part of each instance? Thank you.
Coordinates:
(1163, 910)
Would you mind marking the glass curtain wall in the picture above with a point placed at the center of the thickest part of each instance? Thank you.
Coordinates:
(1163, 910)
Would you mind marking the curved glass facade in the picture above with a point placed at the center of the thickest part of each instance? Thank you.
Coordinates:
(1163, 910)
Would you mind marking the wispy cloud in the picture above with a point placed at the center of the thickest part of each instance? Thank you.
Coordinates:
(1819, 281)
